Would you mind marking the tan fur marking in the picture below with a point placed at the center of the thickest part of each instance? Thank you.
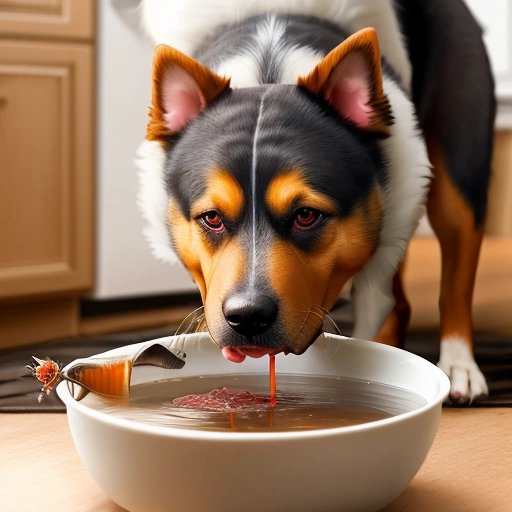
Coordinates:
(394, 330)
(210, 84)
(365, 42)
(222, 272)
(289, 189)
(214, 271)
(454, 224)
(223, 193)
(188, 244)
(301, 280)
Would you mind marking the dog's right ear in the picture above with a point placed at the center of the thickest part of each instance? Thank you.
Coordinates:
(182, 87)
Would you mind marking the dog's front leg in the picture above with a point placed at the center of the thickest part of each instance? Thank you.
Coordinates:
(372, 296)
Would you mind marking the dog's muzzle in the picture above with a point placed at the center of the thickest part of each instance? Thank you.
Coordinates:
(250, 314)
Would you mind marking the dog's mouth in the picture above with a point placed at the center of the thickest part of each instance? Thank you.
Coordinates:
(238, 354)
(297, 342)
(239, 350)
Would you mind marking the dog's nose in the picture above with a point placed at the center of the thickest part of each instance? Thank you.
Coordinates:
(250, 314)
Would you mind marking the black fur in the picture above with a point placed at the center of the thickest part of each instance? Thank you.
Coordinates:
(296, 132)
(453, 90)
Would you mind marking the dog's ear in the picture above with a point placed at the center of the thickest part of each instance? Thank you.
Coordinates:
(182, 87)
(350, 79)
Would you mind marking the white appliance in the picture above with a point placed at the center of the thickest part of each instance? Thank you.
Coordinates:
(125, 266)
(496, 20)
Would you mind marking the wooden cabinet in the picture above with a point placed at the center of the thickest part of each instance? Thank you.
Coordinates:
(51, 19)
(46, 165)
(46, 157)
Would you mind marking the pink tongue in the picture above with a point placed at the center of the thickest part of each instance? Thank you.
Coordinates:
(238, 354)
(233, 355)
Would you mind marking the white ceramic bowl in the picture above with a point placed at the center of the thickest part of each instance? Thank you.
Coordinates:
(154, 468)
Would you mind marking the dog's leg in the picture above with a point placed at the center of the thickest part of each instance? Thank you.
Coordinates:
(460, 240)
(394, 330)
(372, 299)
(453, 91)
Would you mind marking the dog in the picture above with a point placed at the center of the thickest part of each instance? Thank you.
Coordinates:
(292, 147)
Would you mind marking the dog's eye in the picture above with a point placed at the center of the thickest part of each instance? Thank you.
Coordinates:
(213, 221)
(306, 218)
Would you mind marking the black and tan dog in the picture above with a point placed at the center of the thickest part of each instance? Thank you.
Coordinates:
(289, 156)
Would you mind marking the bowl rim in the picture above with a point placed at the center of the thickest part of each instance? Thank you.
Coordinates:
(227, 436)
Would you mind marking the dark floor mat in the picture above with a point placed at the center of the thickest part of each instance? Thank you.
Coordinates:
(19, 390)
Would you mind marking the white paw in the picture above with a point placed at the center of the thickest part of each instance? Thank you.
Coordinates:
(467, 381)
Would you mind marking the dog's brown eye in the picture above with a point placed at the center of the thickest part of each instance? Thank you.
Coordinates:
(306, 218)
(213, 221)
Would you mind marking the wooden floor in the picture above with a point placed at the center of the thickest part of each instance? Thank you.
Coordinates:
(493, 292)
(469, 467)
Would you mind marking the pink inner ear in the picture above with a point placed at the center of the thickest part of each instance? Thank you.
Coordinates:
(182, 99)
(348, 89)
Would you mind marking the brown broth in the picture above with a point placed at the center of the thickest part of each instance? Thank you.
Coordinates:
(303, 402)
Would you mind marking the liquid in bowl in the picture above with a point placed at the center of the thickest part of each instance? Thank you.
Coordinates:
(303, 402)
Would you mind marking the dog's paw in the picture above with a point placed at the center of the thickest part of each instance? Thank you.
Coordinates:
(467, 381)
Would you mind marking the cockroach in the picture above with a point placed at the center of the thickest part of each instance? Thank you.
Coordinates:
(47, 372)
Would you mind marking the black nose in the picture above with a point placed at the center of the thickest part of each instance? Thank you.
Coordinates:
(250, 314)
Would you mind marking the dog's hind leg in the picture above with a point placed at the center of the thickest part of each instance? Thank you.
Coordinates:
(453, 90)
(453, 222)
(394, 330)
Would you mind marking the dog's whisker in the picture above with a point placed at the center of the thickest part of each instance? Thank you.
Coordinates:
(321, 313)
(333, 324)
(327, 317)
(194, 322)
(317, 314)
(310, 309)
(307, 318)
(318, 311)
(296, 310)
(320, 307)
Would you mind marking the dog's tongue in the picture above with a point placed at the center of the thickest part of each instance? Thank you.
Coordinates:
(238, 354)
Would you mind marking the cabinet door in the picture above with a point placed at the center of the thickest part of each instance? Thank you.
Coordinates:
(49, 18)
(45, 168)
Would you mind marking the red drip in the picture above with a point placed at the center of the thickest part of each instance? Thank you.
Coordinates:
(272, 371)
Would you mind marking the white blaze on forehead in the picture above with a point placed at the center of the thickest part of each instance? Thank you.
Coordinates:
(254, 166)
(269, 39)
(243, 69)
(299, 62)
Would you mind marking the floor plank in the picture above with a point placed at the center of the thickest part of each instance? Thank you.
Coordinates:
(493, 292)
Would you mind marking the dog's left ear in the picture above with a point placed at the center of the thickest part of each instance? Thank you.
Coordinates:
(182, 87)
(350, 79)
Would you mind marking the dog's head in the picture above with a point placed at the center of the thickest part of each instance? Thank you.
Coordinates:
(274, 192)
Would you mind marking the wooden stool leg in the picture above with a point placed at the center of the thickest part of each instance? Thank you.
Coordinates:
(453, 222)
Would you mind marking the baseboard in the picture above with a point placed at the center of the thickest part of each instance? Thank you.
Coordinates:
(35, 322)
